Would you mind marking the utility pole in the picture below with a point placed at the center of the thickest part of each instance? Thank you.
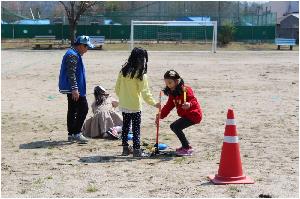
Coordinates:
(238, 12)
(219, 15)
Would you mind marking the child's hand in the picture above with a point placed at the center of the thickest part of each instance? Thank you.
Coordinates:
(157, 105)
(186, 105)
(115, 104)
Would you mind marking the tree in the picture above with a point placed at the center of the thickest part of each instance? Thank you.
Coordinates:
(111, 6)
(74, 10)
(226, 34)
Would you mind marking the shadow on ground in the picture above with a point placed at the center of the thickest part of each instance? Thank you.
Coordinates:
(43, 144)
(167, 156)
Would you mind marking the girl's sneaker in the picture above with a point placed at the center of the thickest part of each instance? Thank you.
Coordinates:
(185, 151)
(178, 149)
(127, 150)
(138, 153)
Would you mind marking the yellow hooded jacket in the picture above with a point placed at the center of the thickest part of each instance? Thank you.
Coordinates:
(131, 91)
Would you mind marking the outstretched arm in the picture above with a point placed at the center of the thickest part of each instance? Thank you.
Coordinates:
(145, 91)
(167, 108)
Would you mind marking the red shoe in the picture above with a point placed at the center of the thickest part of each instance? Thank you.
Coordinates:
(178, 149)
(190, 148)
(185, 152)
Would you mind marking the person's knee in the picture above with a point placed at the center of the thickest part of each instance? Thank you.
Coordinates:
(173, 127)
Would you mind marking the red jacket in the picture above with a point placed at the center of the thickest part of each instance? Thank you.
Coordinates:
(194, 113)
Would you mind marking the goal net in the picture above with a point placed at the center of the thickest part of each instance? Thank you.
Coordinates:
(174, 35)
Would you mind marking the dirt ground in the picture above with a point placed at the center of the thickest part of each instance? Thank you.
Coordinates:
(262, 88)
(116, 45)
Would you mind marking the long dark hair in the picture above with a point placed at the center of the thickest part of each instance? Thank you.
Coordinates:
(100, 95)
(172, 74)
(136, 64)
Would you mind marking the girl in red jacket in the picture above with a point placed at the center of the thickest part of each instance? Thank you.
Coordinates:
(188, 108)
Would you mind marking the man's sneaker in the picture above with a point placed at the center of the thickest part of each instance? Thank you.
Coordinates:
(80, 138)
(71, 138)
(138, 153)
(185, 152)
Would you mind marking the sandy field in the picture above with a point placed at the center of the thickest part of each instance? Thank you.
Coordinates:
(262, 87)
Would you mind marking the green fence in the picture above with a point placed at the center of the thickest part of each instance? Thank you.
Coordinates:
(118, 32)
(254, 33)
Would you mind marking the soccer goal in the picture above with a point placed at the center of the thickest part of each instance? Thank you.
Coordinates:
(175, 35)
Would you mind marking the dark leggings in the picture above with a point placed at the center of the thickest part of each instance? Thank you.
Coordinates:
(177, 128)
(136, 128)
(77, 111)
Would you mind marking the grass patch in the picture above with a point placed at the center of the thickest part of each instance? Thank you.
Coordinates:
(91, 188)
(209, 156)
(233, 189)
(180, 160)
(23, 191)
(259, 179)
(38, 181)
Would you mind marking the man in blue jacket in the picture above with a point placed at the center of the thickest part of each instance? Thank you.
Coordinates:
(72, 82)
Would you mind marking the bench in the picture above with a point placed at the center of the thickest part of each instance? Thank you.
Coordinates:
(98, 41)
(285, 42)
(43, 40)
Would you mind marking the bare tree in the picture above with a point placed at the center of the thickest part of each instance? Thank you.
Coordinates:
(74, 9)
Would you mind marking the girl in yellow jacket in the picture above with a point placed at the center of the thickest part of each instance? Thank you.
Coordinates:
(131, 87)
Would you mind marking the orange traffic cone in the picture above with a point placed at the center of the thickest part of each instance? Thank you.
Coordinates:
(230, 168)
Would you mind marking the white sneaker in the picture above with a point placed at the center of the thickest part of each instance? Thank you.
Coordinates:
(80, 138)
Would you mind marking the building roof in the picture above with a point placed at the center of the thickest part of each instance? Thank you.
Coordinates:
(296, 15)
(284, 17)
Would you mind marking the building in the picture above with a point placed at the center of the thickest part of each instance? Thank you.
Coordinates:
(289, 27)
(287, 19)
(282, 8)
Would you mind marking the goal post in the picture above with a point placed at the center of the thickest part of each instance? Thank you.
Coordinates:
(173, 31)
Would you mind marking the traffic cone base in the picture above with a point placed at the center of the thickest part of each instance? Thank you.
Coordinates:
(231, 180)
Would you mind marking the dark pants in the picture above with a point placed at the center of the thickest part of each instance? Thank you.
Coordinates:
(135, 118)
(77, 111)
(177, 128)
